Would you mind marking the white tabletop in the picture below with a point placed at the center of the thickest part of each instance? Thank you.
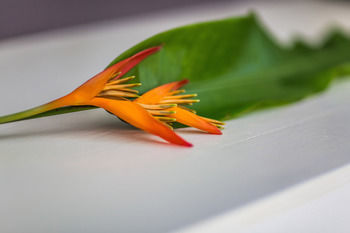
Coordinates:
(89, 172)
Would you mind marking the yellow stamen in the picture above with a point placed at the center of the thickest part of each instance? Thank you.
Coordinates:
(122, 80)
(180, 96)
(113, 76)
(165, 119)
(129, 90)
(176, 92)
(219, 126)
(216, 122)
(129, 85)
(119, 88)
(179, 101)
(188, 109)
(114, 93)
(157, 106)
(161, 112)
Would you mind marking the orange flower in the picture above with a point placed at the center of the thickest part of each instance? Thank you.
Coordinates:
(164, 103)
(151, 112)
(106, 90)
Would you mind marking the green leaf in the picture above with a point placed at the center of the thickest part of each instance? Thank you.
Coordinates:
(236, 66)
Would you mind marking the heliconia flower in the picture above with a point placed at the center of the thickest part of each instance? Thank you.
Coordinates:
(107, 91)
(165, 103)
(152, 112)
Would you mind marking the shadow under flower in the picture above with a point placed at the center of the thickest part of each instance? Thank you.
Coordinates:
(93, 122)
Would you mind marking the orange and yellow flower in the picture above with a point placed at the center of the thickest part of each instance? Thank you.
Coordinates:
(152, 112)
(165, 103)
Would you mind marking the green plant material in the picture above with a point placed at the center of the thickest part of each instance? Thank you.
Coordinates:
(235, 66)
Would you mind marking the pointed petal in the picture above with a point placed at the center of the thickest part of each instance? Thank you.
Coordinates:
(155, 95)
(188, 118)
(93, 86)
(130, 62)
(137, 116)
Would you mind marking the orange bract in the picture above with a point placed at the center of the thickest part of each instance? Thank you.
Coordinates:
(95, 85)
(140, 118)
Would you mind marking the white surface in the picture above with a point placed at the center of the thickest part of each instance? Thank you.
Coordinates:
(315, 206)
(88, 172)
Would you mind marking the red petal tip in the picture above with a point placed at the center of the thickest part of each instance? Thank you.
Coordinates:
(187, 144)
(132, 61)
(180, 84)
(218, 133)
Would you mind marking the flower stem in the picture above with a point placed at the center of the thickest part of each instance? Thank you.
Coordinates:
(61, 102)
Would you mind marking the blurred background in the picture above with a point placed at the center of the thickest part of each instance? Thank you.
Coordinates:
(64, 174)
(21, 17)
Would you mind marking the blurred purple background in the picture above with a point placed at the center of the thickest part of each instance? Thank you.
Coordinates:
(19, 17)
